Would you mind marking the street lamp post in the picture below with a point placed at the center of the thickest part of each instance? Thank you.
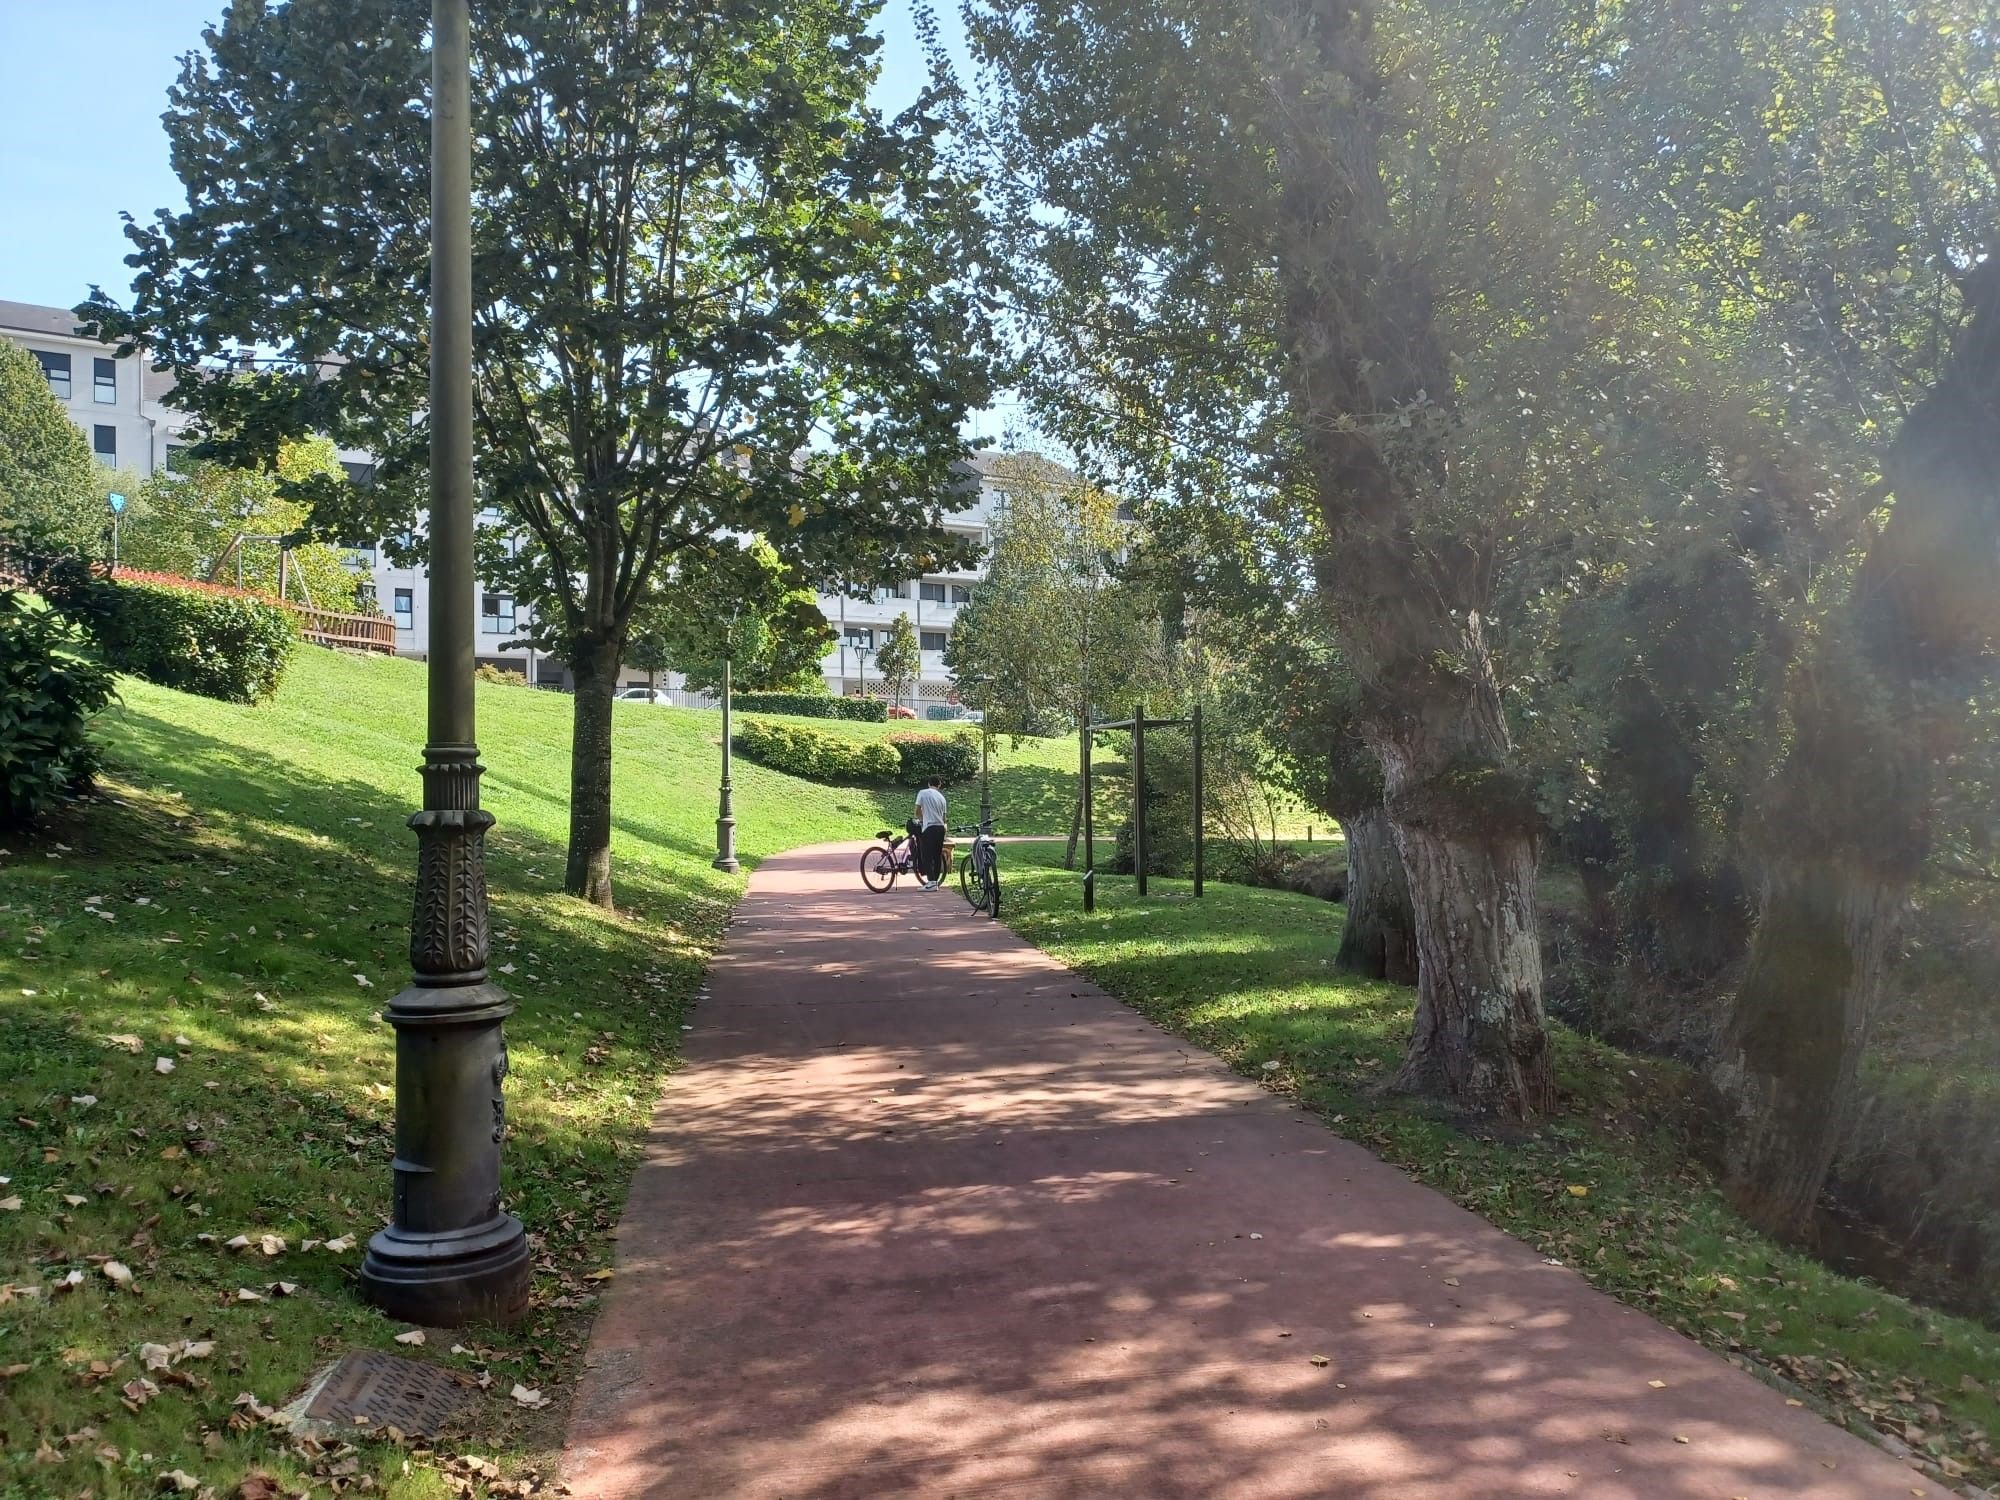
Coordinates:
(450, 1254)
(985, 779)
(725, 821)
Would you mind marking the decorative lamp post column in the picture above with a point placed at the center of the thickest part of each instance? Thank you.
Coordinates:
(985, 779)
(450, 1255)
(725, 821)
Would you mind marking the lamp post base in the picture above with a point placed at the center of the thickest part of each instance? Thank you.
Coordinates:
(450, 1278)
(725, 846)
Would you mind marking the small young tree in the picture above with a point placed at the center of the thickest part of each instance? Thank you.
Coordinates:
(1052, 634)
(898, 659)
(49, 498)
(739, 602)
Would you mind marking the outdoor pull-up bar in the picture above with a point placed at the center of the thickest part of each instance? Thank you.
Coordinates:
(1138, 724)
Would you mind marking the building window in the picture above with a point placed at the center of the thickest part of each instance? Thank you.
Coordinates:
(360, 475)
(961, 593)
(358, 554)
(177, 458)
(104, 381)
(860, 635)
(933, 640)
(406, 609)
(55, 367)
(496, 614)
(104, 442)
(933, 593)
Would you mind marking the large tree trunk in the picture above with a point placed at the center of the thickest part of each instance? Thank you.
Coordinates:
(1468, 829)
(1844, 827)
(1379, 940)
(1406, 580)
(589, 870)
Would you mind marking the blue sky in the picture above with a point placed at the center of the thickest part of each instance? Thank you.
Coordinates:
(81, 92)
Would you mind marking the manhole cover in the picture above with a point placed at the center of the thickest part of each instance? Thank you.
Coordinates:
(385, 1390)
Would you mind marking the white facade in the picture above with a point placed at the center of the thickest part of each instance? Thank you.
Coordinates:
(932, 603)
(116, 403)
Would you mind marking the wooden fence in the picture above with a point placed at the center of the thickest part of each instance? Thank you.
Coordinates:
(326, 627)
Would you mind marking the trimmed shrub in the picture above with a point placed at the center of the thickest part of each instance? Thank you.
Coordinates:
(815, 755)
(207, 640)
(952, 758)
(813, 706)
(47, 695)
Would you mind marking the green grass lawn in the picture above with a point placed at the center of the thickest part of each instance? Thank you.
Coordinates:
(1608, 1188)
(191, 976)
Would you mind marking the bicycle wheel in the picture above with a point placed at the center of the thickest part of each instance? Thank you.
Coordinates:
(993, 888)
(965, 876)
(878, 868)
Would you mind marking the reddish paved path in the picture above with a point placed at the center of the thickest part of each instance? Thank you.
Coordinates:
(965, 1226)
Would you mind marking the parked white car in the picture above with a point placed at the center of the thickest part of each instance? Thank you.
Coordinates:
(658, 697)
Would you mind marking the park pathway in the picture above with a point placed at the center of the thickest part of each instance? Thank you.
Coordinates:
(926, 1214)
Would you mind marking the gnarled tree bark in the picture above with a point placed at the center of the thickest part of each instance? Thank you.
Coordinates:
(1379, 940)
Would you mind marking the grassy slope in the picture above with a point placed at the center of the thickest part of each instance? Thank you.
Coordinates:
(1246, 973)
(223, 913)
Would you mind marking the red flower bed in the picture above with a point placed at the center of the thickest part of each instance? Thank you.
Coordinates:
(175, 581)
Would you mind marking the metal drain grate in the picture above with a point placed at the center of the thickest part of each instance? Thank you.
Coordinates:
(387, 1391)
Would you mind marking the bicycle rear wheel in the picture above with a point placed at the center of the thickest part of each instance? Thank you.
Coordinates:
(965, 877)
(878, 868)
(993, 888)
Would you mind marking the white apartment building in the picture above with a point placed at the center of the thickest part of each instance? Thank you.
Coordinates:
(118, 404)
(932, 603)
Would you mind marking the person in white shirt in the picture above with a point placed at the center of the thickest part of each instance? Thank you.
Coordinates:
(930, 835)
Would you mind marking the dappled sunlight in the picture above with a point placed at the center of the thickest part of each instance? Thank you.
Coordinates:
(930, 1214)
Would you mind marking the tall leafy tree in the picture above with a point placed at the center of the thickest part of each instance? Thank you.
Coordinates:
(48, 491)
(715, 292)
(1232, 279)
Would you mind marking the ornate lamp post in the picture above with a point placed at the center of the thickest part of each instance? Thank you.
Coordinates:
(725, 819)
(449, 1255)
(985, 778)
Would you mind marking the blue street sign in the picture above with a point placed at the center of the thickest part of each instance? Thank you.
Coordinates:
(117, 502)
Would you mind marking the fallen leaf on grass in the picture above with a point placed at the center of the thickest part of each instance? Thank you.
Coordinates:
(1451, 1281)
(1578, 1190)
(126, 1040)
(180, 1481)
(8, 1372)
(1658, 1385)
(244, 1294)
(271, 1244)
(163, 1065)
(604, 1275)
(533, 1400)
(11, 1203)
(258, 1487)
(414, 1336)
(341, 1245)
(1321, 1360)
(118, 1272)
(83, 1101)
(282, 1288)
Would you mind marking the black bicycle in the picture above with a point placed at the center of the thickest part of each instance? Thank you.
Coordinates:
(882, 863)
(979, 870)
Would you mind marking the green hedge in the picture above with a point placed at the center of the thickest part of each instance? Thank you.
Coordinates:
(815, 755)
(47, 695)
(951, 758)
(813, 706)
(221, 645)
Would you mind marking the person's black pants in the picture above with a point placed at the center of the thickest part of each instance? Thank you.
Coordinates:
(930, 852)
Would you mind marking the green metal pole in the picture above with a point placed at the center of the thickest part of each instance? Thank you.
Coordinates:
(985, 779)
(1139, 797)
(1089, 832)
(1197, 800)
(725, 821)
(450, 1254)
